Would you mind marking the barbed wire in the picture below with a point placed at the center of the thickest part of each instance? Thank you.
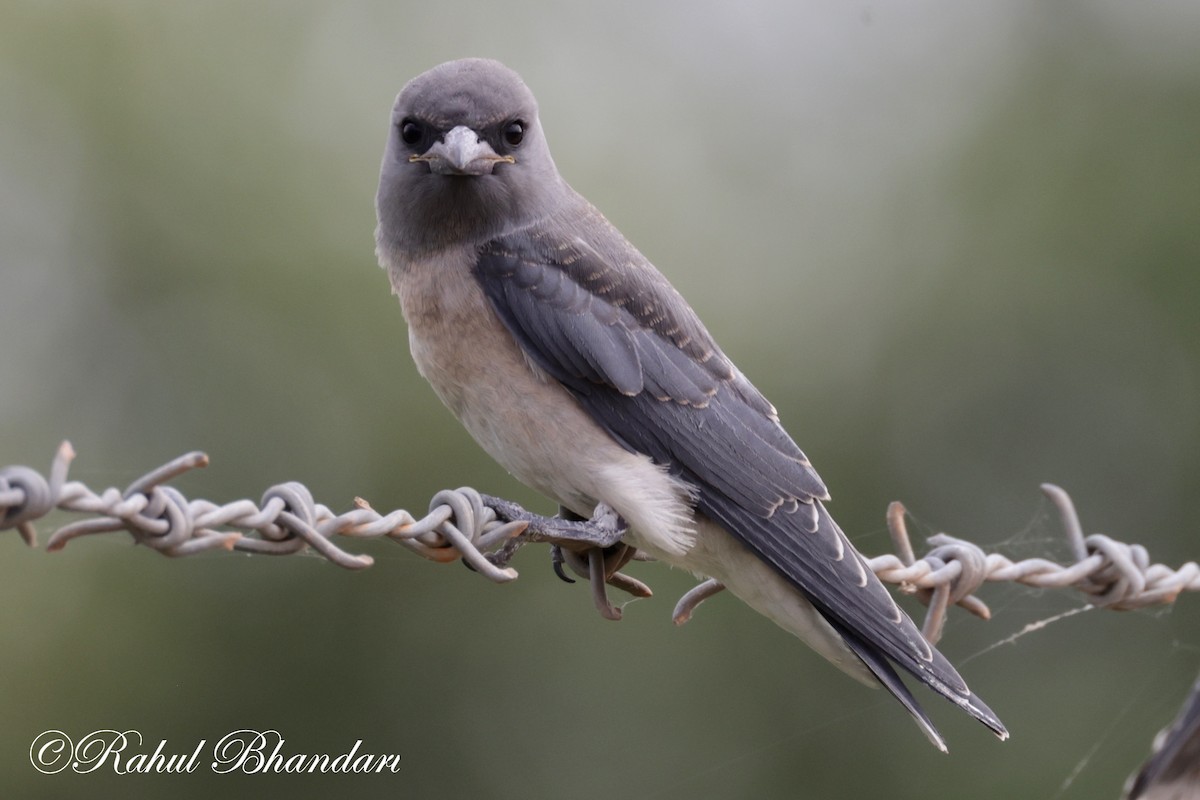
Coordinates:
(1110, 573)
(287, 520)
(485, 532)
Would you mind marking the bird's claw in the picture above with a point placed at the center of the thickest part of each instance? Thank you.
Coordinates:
(504, 554)
(591, 548)
(556, 563)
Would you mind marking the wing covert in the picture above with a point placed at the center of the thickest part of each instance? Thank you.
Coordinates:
(602, 321)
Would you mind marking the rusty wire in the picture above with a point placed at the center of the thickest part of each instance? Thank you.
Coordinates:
(463, 524)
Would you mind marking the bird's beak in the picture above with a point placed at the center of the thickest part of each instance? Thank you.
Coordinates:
(461, 152)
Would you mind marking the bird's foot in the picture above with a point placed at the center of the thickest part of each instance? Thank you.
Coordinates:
(569, 530)
(591, 548)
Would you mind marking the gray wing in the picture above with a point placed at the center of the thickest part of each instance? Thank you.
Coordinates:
(596, 316)
(1173, 769)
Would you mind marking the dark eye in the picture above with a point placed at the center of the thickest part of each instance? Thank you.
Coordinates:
(514, 132)
(411, 132)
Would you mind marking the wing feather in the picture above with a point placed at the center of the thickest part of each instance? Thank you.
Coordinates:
(597, 317)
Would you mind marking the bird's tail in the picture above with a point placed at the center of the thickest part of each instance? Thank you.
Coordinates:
(885, 673)
(808, 549)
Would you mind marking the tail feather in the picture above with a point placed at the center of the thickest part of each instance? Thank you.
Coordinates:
(882, 669)
(887, 676)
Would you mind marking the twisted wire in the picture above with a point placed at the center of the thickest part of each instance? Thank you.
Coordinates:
(1110, 573)
(460, 524)
(287, 520)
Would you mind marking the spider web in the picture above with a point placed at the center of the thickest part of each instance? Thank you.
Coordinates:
(1029, 615)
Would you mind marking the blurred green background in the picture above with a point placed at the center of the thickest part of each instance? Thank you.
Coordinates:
(957, 244)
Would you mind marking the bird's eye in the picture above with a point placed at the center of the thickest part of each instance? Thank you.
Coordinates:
(514, 132)
(411, 132)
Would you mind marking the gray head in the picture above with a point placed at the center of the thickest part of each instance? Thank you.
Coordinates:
(465, 159)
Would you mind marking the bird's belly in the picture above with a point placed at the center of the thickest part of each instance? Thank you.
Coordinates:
(525, 423)
(537, 431)
(526, 420)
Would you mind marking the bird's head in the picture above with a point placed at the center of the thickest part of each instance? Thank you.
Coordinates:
(465, 158)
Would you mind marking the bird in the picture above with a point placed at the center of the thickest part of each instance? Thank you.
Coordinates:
(575, 364)
(1172, 772)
